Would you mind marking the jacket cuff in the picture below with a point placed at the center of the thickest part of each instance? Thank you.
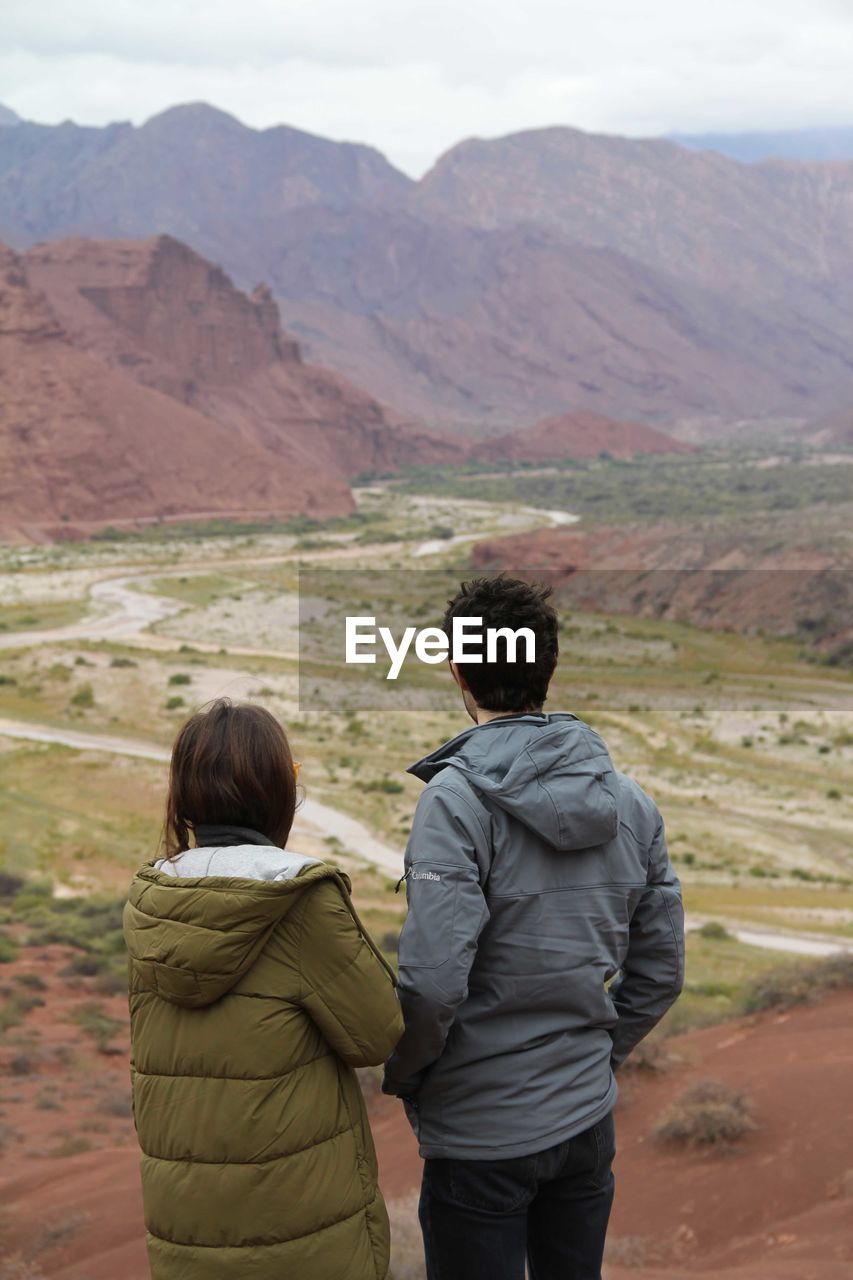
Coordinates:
(405, 1089)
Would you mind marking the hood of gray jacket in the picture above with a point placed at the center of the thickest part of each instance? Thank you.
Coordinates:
(551, 772)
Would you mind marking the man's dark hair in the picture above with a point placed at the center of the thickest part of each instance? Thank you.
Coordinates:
(507, 602)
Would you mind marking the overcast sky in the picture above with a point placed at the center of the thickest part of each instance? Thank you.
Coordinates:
(414, 76)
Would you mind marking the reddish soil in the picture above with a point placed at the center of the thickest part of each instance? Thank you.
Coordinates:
(779, 1206)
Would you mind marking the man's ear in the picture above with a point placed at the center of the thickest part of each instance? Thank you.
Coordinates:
(458, 677)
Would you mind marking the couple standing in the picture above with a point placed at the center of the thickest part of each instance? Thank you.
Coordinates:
(535, 874)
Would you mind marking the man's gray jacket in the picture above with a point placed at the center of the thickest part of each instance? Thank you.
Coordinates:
(535, 873)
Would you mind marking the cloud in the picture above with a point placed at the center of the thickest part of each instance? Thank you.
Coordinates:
(414, 76)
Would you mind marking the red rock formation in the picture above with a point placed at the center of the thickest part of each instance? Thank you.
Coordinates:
(138, 382)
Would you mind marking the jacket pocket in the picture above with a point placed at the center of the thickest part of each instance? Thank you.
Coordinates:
(605, 1144)
(494, 1186)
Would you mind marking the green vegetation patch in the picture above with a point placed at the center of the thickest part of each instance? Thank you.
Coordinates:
(671, 488)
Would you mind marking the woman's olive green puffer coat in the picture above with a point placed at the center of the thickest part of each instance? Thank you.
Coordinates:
(251, 1002)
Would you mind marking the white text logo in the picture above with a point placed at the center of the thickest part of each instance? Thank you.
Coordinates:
(433, 646)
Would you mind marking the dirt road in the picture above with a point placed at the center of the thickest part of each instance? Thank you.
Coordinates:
(313, 817)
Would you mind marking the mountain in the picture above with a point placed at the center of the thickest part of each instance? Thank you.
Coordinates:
(463, 327)
(521, 278)
(794, 144)
(139, 383)
(751, 230)
(577, 435)
(8, 116)
(192, 171)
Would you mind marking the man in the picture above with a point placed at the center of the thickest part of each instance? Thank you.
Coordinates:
(535, 873)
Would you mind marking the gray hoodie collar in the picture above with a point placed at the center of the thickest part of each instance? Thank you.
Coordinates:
(551, 772)
(431, 764)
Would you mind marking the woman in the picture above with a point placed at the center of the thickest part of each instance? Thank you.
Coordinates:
(254, 991)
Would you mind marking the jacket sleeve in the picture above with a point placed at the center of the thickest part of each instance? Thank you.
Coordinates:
(653, 973)
(346, 986)
(447, 913)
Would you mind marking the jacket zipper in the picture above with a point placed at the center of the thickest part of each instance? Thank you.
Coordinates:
(403, 877)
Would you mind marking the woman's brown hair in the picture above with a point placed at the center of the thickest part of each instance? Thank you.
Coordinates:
(231, 766)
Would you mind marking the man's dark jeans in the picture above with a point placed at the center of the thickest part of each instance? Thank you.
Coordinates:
(482, 1219)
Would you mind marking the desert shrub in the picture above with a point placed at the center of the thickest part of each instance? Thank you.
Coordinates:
(59, 1232)
(89, 924)
(8, 680)
(84, 697)
(111, 983)
(115, 1103)
(22, 1064)
(48, 1102)
(10, 885)
(714, 930)
(798, 984)
(389, 786)
(649, 1058)
(180, 677)
(32, 981)
(11, 1013)
(8, 948)
(123, 662)
(707, 1114)
(84, 965)
(16, 1007)
(16, 1267)
(71, 1146)
(94, 1021)
(173, 703)
(32, 890)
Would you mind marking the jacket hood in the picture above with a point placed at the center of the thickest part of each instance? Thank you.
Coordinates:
(551, 772)
(197, 926)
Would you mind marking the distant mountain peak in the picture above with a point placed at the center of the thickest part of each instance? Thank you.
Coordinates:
(195, 114)
(8, 116)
